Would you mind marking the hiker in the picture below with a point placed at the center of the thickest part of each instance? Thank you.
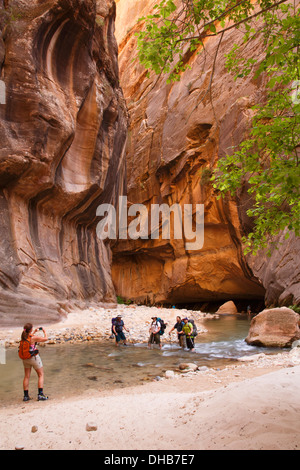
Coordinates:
(178, 326)
(154, 332)
(187, 331)
(31, 358)
(118, 326)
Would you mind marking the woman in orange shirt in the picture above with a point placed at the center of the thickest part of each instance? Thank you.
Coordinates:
(31, 358)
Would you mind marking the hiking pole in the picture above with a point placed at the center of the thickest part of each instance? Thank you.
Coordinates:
(171, 342)
(130, 337)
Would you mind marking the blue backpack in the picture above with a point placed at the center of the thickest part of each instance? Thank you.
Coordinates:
(163, 326)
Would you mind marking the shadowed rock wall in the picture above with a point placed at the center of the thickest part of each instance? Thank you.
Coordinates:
(62, 133)
(177, 133)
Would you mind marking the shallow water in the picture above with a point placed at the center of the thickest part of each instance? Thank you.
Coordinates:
(71, 369)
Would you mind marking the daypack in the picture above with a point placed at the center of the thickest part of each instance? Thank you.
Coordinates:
(113, 322)
(163, 326)
(195, 331)
(118, 327)
(26, 351)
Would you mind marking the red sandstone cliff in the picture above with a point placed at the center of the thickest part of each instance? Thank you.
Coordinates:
(63, 129)
(177, 133)
(62, 134)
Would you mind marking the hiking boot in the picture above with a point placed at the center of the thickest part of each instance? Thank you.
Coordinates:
(26, 398)
(42, 397)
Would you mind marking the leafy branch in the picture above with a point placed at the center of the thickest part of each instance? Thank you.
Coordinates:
(268, 158)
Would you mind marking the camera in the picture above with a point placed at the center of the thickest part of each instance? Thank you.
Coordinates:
(40, 328)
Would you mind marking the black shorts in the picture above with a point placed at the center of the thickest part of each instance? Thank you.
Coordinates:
(190, 342)
(120, 336)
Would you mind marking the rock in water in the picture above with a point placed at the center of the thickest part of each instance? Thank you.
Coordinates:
(227, 308)
(276, 327)
(190, 366)
(62, 132)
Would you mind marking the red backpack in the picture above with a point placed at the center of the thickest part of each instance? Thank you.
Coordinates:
(26, 350)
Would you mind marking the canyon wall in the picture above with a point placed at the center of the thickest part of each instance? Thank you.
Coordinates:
(63, 129)
(177, 133)
(63, 152)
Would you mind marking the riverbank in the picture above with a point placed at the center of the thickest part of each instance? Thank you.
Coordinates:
(252, 404)
(94, 324)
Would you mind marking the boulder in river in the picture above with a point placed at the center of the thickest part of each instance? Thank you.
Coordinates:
(228, 308)
(276, 327)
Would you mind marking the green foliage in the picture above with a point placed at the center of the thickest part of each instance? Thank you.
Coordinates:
(121, 301)
(268, 159)
(296, 308)
(8, 16)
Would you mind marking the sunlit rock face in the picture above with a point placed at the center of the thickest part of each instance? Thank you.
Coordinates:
(62, 133)
(177, 133)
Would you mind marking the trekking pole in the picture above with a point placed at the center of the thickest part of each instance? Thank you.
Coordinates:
(130, 337)
(171, 342)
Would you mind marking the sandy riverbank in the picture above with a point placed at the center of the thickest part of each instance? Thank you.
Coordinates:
(260, 412)
(94, 323)
(251, 405)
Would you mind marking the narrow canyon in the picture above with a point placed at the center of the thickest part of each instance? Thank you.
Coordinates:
(82, 124)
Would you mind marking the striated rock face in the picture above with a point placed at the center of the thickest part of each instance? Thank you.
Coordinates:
(177, 132)
(62, 133)
(277, 327)
(280, 273)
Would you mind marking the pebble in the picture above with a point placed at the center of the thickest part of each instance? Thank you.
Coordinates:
(34, 429)
(169, 374)
(188, 366)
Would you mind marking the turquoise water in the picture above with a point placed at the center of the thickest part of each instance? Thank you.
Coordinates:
(71, 369)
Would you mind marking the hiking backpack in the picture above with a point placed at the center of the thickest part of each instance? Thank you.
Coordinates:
(25, 350)
(195, 331)
(163, 326)
(113, 323)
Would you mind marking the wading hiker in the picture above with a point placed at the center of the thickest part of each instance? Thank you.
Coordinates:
(188, 330)
(178, 326)
(154, 331)
(117, 328)
(31, 358)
